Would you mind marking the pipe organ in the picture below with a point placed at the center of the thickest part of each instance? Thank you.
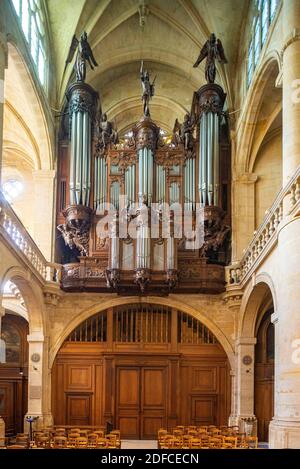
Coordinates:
(122, 222)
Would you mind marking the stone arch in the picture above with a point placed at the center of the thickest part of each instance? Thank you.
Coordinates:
(26, 101)
(270, 66)
(31, 294)
(218, 333)
(255, 295)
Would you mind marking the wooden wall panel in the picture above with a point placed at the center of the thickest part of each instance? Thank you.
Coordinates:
(79, 408)
(140, 393)
(80, 377)
(204, 379)
(203, 410)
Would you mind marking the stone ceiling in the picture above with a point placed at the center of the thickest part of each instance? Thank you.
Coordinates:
(169, 43)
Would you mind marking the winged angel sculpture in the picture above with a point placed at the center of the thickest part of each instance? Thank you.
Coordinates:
(84, 54)
(212, 50)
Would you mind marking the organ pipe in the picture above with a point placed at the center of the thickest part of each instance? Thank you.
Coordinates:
(83, 100)
(211, 101)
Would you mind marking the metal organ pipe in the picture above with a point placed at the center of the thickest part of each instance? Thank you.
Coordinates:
(209, 180)
(216, 159)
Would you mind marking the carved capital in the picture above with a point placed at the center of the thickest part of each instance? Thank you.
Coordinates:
(211, 98)
(82, 98)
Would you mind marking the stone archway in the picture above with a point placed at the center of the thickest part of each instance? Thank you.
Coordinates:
(130, 344)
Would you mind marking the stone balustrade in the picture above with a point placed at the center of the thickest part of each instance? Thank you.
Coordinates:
(17, 235)
(266, 235)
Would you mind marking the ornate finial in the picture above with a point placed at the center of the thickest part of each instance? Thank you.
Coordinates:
(148, 89)
(212, 50)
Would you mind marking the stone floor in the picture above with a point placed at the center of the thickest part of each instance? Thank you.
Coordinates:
(152, 444)
(139, 444)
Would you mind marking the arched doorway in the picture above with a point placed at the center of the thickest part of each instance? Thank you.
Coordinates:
(264, 375)
(14, 372)
(141, 367)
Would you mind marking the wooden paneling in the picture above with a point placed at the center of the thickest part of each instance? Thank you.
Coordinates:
(14, 373)
(204, 379)
(203, 410)
(78, 409)
(141, 386)
(128, 401)
(79, 377)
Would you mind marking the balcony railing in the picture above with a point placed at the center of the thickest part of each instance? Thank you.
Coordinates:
(287, 203)
(16, 234)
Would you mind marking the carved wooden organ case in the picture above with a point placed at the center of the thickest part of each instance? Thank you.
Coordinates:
(146, 250)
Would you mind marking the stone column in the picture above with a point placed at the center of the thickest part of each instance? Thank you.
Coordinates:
(39, 384)
(44, 210)
(3, 66)
(291, 87)
(284, 430)
(244, 382)
(2, 359)
(243, 226)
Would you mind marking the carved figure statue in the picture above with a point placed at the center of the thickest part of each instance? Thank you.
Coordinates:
(148, 89)
(212, 50)
(183, 133)
(75, 238)
(105, 132)
(84, 54)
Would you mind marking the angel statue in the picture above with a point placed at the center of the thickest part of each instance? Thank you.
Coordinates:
(84, 54)
(212, 50)
(148, 89)
(105, 132)
(183, 133)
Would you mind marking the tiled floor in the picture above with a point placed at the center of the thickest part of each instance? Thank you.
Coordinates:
(139, 444)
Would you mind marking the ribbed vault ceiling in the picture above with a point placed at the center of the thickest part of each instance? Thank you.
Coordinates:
(169, 44)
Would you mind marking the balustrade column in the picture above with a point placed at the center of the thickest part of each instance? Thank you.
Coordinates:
(3, 66)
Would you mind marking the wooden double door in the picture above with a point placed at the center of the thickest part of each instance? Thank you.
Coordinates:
(141, 400)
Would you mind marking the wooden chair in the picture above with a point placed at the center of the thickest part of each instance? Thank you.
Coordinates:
(102, 443)
(252, 442)
(215, 442)
(195, 443)
(81, 442)
(100, 433)
(60, 442)
(42, 442)
(231, 440)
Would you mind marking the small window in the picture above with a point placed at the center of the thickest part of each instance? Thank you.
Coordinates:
(12, 189)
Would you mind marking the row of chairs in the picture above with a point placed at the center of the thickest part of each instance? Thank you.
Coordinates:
(205, 437)
(74, 438)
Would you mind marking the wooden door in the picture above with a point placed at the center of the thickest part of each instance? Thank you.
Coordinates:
(141, 401)
(128, 401)
(153, 401)
(7, 406)
(78, 409)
